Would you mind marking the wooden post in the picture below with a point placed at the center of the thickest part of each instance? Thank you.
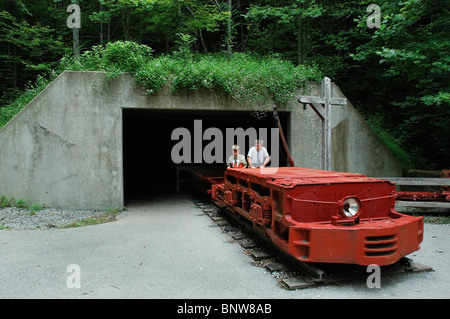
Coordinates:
(322, 106)
(326, 84)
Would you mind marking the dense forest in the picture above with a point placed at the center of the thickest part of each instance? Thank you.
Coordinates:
(391, 58)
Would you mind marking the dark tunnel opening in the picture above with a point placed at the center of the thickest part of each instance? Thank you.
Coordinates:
(149, 167)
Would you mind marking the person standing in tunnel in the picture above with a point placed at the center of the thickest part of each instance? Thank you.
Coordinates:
(236, 160)
(258, 156)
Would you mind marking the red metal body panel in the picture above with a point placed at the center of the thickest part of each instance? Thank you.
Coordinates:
(301, 211)
(423, 196)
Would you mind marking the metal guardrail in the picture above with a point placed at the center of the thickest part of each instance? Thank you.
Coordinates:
(423, 206)
(418, 181)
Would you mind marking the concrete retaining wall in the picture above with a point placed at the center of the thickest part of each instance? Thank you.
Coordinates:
(65, 148)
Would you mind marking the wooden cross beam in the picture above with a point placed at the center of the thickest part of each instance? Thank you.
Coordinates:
(322, 106)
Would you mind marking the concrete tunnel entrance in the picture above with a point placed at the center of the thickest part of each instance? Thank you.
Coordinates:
(86, 145)
(147, 145)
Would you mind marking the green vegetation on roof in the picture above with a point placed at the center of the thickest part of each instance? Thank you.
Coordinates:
(247, 78)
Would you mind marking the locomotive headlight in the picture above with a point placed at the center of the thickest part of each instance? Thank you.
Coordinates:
(350, 206)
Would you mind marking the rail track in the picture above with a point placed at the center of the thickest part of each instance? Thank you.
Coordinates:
(290, 273)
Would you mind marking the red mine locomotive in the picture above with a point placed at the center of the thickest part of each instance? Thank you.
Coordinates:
(322, 216)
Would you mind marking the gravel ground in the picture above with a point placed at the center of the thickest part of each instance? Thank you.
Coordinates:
(14, 218)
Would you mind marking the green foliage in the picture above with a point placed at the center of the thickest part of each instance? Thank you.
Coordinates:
(410, 51)
(30, 92)
(115, 210)
(4, 201)
(287, 13)
(21, 203)
(33, 207)
(25, 48)
(245, 77)
(114, 58)
(185, 43)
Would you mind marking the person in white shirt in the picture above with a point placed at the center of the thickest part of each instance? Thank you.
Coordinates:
(257, 155)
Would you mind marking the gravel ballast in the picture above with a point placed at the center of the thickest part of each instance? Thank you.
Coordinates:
(13, 218)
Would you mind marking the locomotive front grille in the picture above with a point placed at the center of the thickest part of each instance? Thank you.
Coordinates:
(377, 246)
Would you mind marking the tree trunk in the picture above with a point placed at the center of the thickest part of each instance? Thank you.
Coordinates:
(229, 22)
(101, 26)
(13, 53)
(76, 42)
(300, 41)
(76, 37)
(126, 24)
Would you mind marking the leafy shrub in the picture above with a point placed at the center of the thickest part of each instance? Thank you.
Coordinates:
(4, 201)
(247, 78)
(114, 57)
(20, 203)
